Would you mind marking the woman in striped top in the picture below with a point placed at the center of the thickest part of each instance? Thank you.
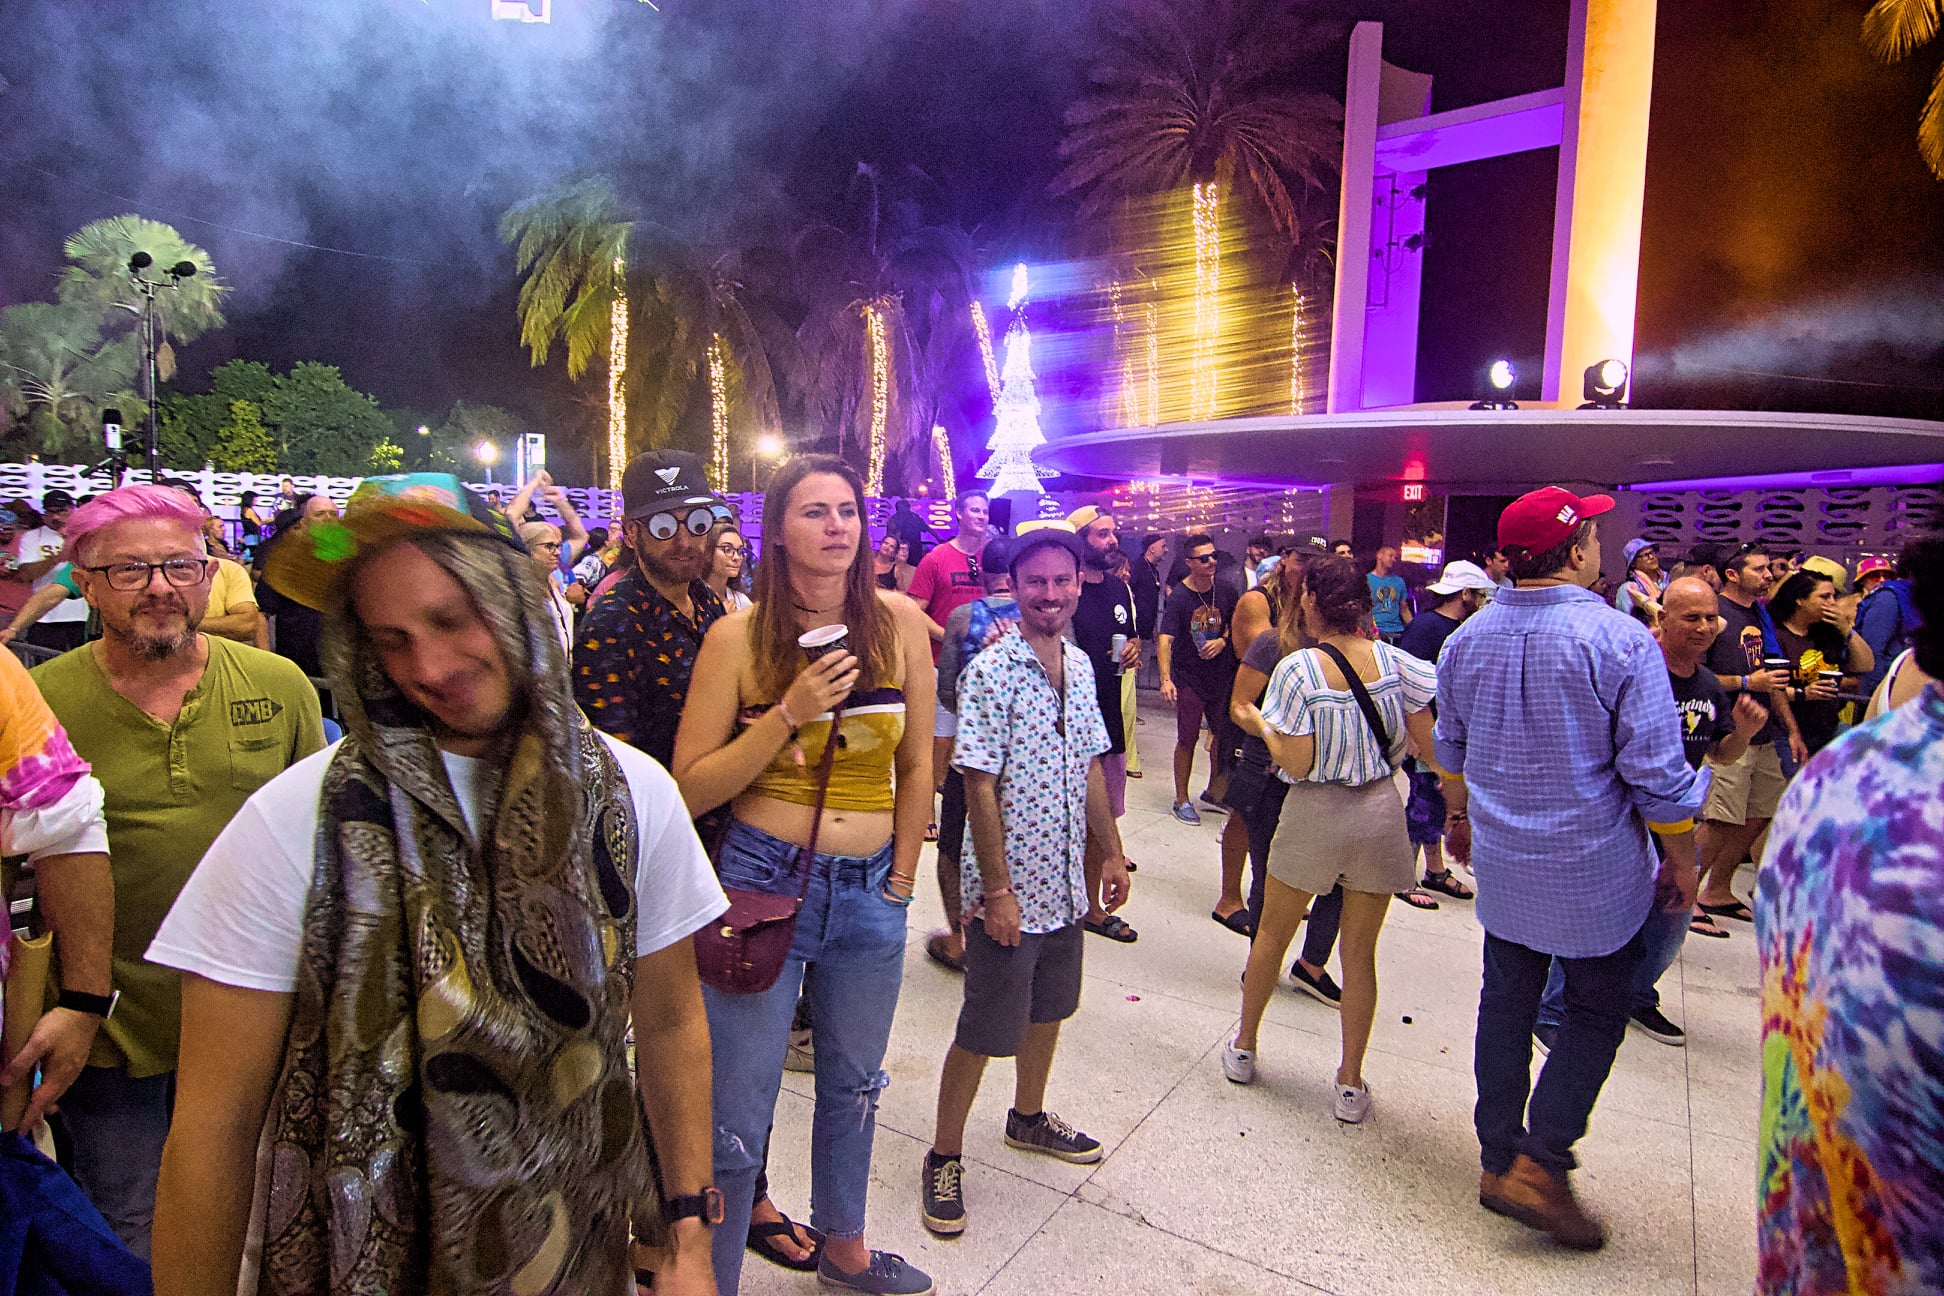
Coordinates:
(1347, 823)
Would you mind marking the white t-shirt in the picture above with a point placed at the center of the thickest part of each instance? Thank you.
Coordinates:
(46, 542)
(240, 918)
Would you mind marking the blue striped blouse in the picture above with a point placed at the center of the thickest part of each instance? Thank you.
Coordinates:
(1300, 701)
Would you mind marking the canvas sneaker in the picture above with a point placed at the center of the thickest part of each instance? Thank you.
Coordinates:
(1048, 1134)
(943, 1201)
(1652, 1023)
(1352, 1103)
(1238, 1064)
(1319, 987)
(1185, 811)
(886, 1275)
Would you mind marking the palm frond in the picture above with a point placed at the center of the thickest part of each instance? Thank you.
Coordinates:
(1894, 28)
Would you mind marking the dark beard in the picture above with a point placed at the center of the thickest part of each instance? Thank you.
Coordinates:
(1104, 560)
(666, 573)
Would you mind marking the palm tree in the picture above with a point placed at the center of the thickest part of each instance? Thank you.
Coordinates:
(1894, 29)
(886, 322)
(664, 314)
(56, 372)
(98, 280)
(1196, 92)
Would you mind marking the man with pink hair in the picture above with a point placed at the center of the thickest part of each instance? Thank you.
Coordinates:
(180, 727)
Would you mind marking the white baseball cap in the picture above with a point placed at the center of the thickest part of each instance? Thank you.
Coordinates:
(1460, 576)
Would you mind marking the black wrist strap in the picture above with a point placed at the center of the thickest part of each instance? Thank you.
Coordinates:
(94, 1005)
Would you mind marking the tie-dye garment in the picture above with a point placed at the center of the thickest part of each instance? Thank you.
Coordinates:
(1850, 916)
(38, 766)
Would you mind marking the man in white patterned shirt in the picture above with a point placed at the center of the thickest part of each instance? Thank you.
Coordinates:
(1029, 741)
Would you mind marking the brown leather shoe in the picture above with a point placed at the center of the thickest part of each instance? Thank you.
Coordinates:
(1491, 1193)
(1540, 1199)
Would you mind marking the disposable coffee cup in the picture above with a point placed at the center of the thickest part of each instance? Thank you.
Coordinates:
(1833, 678)
(1776, 664)
(1119, 647)
(824, 640)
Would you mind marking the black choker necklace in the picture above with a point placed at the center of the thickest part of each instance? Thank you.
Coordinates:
(815, 611)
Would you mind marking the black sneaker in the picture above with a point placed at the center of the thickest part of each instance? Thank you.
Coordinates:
(1543, 1035)
(1048, 1134)
(1319, 987)
(1652, 1023)
(944, 1199)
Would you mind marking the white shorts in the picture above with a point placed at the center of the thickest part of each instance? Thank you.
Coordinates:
(944, 723)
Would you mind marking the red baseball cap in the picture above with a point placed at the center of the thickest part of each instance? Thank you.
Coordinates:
(1538, 520)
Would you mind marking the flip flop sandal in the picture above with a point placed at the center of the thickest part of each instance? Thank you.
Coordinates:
(1237, 922)
(1417, 899)
(1114, 928)
(762, 1240)
(938, 948)
(1735, 909)
(1703, 925)
(1132, 867)
(931, 832)
(1446, 883)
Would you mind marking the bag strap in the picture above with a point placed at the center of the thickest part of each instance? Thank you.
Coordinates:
(807, 859)
(1362, 694)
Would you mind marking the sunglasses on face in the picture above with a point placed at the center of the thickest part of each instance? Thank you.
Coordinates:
(698, 522)
(1208, 558)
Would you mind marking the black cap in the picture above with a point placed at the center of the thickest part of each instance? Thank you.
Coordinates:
(664, 479)
(1045, 535)
(53, 497)
(997, 554)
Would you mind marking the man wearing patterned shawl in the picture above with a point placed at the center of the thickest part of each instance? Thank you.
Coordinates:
(411, 961)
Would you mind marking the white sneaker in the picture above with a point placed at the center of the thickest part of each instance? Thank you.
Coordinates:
(1238, 1064)
(802, 1054)
(1352, 1103)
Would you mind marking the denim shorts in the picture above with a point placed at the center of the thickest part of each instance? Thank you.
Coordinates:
(1008, 988)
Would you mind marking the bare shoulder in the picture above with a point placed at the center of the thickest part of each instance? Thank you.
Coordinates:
(730, 631)
(905, 611)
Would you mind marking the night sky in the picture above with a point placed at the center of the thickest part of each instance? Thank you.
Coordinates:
(1790, 226)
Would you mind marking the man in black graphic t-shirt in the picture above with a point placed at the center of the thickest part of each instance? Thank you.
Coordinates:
(1198, 670)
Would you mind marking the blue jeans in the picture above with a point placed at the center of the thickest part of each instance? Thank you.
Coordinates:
(118, 1125)
(1598, 992)
(848, 960)
(1661, 939)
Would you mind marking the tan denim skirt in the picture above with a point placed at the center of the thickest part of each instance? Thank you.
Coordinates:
(1355, 835)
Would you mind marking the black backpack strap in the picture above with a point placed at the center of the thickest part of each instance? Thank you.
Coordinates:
(1362, 694)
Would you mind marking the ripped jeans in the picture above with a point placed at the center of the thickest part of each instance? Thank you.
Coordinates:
(848, 960)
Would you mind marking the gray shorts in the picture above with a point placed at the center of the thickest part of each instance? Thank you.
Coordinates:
(1008, 988)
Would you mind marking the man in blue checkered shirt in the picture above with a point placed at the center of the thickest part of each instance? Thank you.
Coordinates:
(1558, 728)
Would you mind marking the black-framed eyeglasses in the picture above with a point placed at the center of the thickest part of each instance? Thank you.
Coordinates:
(727, 548)
(129, 577)
(546, 544)
(697, 521)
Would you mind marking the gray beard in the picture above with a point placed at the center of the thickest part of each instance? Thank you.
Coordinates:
(158, 648)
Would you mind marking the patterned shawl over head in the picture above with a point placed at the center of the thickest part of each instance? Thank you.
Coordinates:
(455, 1112)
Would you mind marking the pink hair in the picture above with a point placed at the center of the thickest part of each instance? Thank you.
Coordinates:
(122, 504)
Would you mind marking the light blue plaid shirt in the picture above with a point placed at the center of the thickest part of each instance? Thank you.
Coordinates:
(1557, 711)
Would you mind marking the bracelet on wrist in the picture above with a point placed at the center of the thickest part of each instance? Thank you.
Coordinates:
(788, 719)
(1002, 891)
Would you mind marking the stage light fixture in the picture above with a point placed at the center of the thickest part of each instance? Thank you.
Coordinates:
(1497, 387)
(183, 270)
(140, 262)
(1606, 385)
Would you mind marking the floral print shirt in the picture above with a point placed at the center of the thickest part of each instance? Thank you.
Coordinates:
(1849, 912)
(1013, 723)
(633, 655)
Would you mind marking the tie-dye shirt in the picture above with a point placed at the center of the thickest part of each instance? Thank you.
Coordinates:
(48, 803)
(1850, 915)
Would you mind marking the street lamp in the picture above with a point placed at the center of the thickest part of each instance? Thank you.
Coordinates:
(767, 446)
(488, 455)
(424, 430)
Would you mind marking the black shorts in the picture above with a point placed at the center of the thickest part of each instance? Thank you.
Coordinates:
(1009, 988)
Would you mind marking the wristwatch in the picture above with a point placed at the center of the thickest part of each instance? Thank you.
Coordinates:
(705, 1206)
(102, 1006)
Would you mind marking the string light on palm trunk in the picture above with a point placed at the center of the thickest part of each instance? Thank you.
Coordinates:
(1203, 380)
(880, 394)
(1152, 313)
(718, 414)
(617, 448)
(1298, 396)
(946, 478)
(984, 333)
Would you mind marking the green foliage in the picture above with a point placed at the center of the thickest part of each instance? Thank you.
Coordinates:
(322, 425)
(57, 373)
(242, 444)
(189, 425)
(387, 456)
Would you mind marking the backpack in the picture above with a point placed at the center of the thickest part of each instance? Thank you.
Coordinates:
(1907, 619)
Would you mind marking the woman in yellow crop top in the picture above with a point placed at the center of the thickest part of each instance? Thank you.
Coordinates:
(753, 734)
